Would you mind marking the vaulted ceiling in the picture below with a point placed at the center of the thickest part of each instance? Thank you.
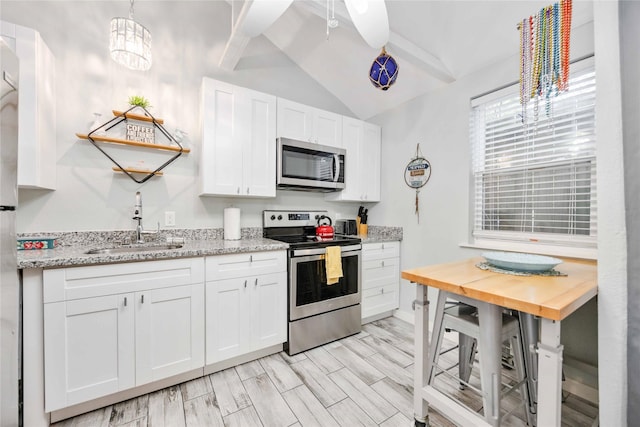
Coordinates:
(434, 42)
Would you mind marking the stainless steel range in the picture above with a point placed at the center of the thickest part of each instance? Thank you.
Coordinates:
(318, 313)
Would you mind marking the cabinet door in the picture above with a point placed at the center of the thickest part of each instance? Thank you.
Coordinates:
(327, 128)
(268, 310)
(221, 160)
(37, 107)
(89, 349)
(169, 332)
(258, 114)
(228, 319)
(295, 120)
(352, 142)
(370, 163)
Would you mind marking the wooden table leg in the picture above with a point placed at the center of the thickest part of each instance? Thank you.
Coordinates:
(549, 374)
(421, 356)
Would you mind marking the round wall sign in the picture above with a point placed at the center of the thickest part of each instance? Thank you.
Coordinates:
(417, 172)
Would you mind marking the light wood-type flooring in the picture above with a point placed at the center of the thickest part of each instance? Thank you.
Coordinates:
(362, 380)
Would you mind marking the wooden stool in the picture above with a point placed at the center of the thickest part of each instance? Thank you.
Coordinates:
(463, 318)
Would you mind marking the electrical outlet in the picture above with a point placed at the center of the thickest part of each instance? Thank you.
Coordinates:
(170, 219)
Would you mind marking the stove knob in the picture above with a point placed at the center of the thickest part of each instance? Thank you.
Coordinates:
(273, 217)
(279, 217)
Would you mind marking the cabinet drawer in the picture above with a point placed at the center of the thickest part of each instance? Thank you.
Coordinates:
(378, 272)
(379, 299)
(380, 250)
(247, 264)
(97, 280)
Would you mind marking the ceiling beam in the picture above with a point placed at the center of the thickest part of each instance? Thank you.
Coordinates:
(397, 45)
(238, 41)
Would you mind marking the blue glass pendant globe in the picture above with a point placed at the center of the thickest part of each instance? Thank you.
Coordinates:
(384, 71)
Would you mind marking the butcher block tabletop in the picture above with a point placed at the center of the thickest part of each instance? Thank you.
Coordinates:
(550, 297)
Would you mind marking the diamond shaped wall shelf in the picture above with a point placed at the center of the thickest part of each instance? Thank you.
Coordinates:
(140, 131)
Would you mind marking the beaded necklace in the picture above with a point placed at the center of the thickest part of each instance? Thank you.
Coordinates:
(544, 55)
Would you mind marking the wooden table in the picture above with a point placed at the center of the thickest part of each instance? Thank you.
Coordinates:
(550, 298)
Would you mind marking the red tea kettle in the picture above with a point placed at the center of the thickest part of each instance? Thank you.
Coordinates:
(324, 231)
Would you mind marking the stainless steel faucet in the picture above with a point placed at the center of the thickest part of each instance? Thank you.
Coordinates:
(137, 215)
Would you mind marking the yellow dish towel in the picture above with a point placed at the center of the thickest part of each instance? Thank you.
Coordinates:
(333, 264)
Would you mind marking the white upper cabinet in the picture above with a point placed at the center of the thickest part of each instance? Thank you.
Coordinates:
(238, 141)
(310, 124)
(362, 169)
(37, 107)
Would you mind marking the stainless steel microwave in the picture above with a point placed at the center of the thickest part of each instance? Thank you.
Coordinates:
(310, 167)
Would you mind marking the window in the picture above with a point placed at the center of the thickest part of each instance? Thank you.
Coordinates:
(536, 181)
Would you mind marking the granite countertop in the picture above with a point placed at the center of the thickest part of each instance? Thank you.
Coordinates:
(72, 246)
(69, 256)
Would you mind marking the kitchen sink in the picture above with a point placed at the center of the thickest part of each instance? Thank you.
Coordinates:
(127, 249)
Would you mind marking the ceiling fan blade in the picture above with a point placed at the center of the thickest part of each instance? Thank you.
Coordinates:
(263, 13)
(371, 20)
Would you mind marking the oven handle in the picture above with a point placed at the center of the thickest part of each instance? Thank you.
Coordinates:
(322, 251)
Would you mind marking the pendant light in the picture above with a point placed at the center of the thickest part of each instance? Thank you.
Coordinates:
(130, 43)
(384, 71)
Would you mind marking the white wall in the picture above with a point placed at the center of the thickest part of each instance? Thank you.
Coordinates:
(612, 238)
(439, 122)
(188, 40)
(630, 43)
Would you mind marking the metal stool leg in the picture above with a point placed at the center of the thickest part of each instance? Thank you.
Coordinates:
(529, 334)
(518, 356)
(466, 356)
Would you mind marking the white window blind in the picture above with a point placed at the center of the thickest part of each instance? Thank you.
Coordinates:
(536, 181)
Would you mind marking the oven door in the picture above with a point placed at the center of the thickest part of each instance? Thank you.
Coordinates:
(309, 293)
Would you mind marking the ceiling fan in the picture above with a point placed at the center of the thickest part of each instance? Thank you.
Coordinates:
(368, 16)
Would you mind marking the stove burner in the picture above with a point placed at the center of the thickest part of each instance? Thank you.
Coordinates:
(298, 229)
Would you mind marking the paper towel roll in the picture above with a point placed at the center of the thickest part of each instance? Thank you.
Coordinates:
(231, 223)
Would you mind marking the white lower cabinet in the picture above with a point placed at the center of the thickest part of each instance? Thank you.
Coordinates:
(380, 278)
(96, 345)
(246, 303)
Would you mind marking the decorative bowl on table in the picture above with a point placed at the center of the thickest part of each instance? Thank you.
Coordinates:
(520, 261)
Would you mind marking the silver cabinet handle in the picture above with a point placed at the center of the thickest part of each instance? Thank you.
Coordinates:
(256, 283)
(247, 190)
(245, 283)
(238, 190)
(383, 246)
(142, 299)
(382, 291)
(250, 258)
(382, 263)
(125, 301)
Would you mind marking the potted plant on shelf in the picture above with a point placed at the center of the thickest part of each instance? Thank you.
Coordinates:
(140, 131)
(139, 101)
